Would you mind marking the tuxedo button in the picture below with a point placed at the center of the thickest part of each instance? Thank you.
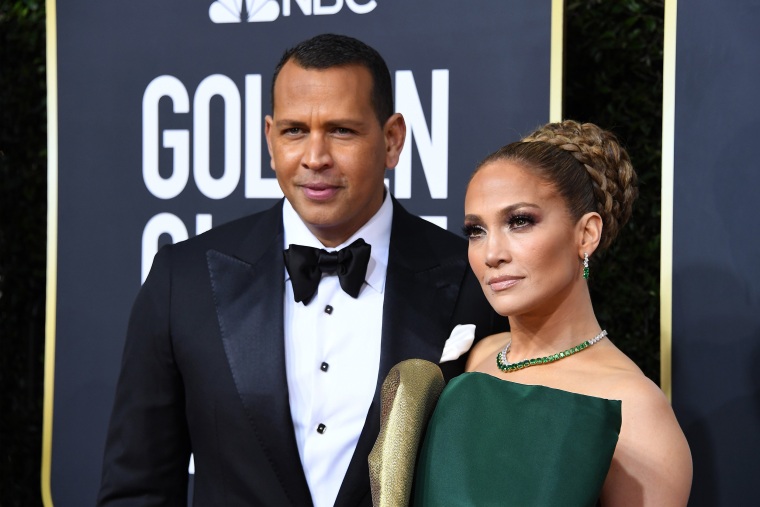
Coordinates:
(328, 310)
(324, 367)
(321, 428)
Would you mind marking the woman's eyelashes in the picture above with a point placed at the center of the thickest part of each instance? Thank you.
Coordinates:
(520, 221)
(471, 231)
(513, 222)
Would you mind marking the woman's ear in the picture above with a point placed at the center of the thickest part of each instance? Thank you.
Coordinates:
(589, 233)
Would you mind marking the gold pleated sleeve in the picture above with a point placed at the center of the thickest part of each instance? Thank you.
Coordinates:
(408, 397)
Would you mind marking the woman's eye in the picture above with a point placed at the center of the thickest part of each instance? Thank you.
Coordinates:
(473, 231)
(520, 221)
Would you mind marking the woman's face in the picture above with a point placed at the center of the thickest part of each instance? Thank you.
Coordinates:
(523, 244)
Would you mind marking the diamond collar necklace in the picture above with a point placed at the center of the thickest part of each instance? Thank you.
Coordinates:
(507, 367)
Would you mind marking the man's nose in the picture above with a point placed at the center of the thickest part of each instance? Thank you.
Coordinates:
(316, 154)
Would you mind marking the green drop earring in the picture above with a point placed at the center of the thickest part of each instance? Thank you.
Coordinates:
(585, 266)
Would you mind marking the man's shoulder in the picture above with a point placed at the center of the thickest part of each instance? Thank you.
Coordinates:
(265, 223)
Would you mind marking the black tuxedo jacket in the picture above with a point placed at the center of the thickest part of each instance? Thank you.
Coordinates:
(203, 369)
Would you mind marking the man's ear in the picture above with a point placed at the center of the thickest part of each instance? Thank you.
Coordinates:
(268, 121)
(394, 132)
(589, 233)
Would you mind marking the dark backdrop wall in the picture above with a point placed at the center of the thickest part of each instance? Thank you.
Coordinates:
(598, 50)
(716, 246)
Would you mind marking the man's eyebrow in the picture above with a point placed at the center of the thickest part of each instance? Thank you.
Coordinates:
(339, 122)
(285, 123)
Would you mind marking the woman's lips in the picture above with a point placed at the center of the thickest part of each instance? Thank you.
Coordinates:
(500, 283)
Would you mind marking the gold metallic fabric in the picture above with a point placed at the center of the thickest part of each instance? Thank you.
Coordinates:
(408, 397)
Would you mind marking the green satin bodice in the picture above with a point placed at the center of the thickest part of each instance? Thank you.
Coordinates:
(495, 442)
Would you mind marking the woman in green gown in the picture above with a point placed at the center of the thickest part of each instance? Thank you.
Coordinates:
(550, 413)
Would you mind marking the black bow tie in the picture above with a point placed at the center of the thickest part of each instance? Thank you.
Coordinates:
(306, 265)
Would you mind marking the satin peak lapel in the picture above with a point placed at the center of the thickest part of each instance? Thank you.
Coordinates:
(248, 299)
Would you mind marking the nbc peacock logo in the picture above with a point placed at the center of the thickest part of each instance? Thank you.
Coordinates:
(258, 11)
(242, 11)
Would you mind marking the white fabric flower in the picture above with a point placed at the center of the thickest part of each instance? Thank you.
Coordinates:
(459, 342)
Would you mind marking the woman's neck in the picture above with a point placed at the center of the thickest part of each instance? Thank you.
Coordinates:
(539, 334)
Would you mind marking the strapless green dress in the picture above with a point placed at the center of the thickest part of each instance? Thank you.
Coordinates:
(495, 442)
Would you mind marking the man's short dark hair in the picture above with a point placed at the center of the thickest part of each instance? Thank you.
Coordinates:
(329, 50)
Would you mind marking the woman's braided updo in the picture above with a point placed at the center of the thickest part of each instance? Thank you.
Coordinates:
(587, 165)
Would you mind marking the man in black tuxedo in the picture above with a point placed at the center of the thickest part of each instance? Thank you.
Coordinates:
(232, 356)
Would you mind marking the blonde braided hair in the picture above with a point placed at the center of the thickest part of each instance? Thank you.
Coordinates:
(606, 182)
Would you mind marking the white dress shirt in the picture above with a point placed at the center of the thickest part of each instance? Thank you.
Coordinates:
(332, 356)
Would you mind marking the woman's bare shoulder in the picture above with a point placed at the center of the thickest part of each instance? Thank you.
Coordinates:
(485, 348)
(652, 461)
